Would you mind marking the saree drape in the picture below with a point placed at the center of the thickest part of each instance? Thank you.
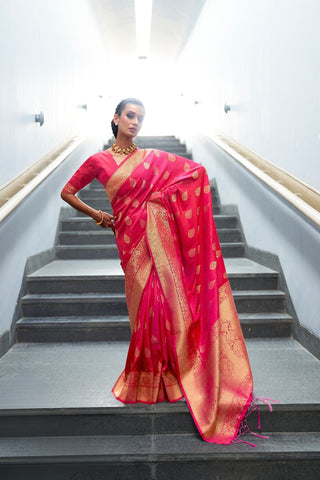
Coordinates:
(186, 336)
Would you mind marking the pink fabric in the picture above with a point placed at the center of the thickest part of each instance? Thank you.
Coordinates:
(186, 337)
(100, 166)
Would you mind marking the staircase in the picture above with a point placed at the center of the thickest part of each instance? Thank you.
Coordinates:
(59, 419)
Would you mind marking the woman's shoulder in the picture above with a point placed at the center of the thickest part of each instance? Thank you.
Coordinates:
(102, 155)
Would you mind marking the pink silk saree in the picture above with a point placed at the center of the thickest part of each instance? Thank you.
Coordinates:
(186, 336)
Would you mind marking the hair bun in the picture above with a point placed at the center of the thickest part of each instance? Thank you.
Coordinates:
(114, 128)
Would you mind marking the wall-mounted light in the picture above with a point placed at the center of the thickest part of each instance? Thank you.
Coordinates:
(84, 106)
(39, 118)
(143, 14)
(227, 108)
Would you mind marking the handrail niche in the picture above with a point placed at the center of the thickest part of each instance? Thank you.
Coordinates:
(303, 197)
(16, 190)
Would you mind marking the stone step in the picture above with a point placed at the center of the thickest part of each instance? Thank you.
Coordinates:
(43, 305)
(177, 149)
(52, 389)
(86, 194)
(158, 140)
(73, 329)
(76, 284)
(153, 141)
(85, 223)
(77, 276)
(158, 457)
(173, 146)
(106, 236)
(92, 304)
(234, 249)
(112, 283)
(98, 206)
(85, 276)
(97, 198)
(99, 203)
(117, 328)
(86, 251)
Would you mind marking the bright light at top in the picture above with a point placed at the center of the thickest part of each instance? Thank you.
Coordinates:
(143, 13)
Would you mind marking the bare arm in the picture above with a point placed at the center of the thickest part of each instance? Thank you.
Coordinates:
(76, 203)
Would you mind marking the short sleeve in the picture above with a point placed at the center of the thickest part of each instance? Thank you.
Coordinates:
(84, 175)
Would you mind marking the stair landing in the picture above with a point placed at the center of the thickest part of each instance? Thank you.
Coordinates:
(109, 267)
(80, 376)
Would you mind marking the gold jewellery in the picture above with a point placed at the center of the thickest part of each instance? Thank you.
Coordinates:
(127, 150)
(101, 213)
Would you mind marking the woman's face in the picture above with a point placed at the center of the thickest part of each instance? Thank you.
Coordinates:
(130, 120)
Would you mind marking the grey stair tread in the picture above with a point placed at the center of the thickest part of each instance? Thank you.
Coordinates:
(103, 267)
(117, 328)
(264, 316)
(114, 319)
(102, 232)
(71, 268)
(71, 297)
(157, 138)
(257, 293)
(102, 198)
(89, 219)
(54, 321)
(81, 375)
(105, 231)
(232, 244)
(103, 246)
(100, 297)
(160, 447)
(106, 247)
(245, 266)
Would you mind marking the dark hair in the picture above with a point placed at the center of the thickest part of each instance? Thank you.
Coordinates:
(120, 107)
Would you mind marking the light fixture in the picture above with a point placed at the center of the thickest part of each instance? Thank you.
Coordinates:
(143, 14)
(39, 118)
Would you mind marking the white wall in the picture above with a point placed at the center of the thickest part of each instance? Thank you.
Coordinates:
(31, 229)
(262, 58)
(50, 60)
(270, 224)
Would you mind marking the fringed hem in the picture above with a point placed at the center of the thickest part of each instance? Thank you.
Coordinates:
(244, 427)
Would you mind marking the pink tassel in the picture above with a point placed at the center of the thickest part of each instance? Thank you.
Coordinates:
(243, 441)
(267, 401)
(244, 427)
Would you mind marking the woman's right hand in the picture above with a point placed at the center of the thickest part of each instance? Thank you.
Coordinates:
(97, 215)
(107, 219)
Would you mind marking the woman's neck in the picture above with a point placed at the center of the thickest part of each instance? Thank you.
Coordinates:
(123, 141)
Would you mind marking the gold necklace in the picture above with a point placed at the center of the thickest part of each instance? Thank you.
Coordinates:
(126, 150)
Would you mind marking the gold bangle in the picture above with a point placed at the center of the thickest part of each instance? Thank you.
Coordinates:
(99, 223)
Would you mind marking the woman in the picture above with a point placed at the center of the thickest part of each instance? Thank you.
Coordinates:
(186, 337)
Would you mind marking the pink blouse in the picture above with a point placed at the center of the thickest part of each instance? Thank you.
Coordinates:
(101, 166)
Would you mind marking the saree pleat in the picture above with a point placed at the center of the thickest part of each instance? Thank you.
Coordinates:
(186, 336)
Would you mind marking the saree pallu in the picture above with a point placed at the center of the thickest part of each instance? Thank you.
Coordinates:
(186, 336)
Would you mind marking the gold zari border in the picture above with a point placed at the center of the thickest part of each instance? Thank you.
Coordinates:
(124, 171)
